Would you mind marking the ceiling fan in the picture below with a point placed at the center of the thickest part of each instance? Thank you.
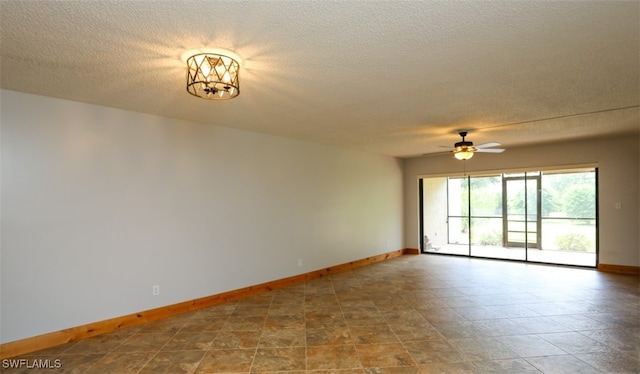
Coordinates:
(464, 150)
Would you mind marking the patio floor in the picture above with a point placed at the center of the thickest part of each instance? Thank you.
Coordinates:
(550, 256)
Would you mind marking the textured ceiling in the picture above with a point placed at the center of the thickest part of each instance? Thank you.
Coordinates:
(394, 78)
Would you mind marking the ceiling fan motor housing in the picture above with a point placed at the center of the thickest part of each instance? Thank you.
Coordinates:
(463, 144)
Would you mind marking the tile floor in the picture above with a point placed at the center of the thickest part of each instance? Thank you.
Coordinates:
(413, 314)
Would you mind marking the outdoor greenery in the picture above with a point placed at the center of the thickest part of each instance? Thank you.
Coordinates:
(580, 201)
(491, 237)
(573, 242)
(516, 201)
(486, 196)
(572, 194)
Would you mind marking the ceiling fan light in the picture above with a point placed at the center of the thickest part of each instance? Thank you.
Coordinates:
(463, 155)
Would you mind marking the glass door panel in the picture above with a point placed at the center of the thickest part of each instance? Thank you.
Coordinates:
(434, 216)
(568, 218)
(458, 216)
(487, 236)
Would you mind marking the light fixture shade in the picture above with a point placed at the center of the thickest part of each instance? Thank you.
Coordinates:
(213, 76)
(463, 154)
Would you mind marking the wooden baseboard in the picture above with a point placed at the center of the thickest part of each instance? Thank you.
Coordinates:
(36, 343)
(623, 269)
(411, 251)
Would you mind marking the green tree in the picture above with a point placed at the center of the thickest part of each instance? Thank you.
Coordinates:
(486, 196)
(580, 201)
(550, 201)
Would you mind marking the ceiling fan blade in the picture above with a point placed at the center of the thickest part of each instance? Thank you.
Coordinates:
(486, 145)
(490, 150)
(437, 153)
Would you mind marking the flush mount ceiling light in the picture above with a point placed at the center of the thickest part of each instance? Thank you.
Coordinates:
(213, 76)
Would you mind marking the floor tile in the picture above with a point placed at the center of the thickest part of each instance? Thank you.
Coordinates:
(187, 341)
(296, 309)
(328, 336)
(611, 362)
(285, 321)
(574, 342)
(55, 350)
(149, 341)
(435, 314)
(624, 340)
(279, 359)
(332, 357)
(530, 345)
(250, 310)
(364, 318)
(483, 349)
(578, 322)
(506, 366)
(410, 332)
(499, 327)
(393, 370)
(434, 352)
(121, 363)
(97, 344)
(283, 338)
(220, 311)
(408, 315)
(236, 339)
(374, 334)
(563, 364)
(384, 355)
(244, 323)
(226, 361)
(201, 324)
(472, 313)
(173, 362)
(315, 320)
(458, 329)
(263, 299)
(541, 325)
(549, 309)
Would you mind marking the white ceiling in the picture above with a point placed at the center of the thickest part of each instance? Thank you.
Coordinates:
(389, 77)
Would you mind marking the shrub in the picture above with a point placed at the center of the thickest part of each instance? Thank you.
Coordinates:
(493, 237)
(574, 242)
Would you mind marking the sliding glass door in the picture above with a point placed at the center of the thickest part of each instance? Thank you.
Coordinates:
(568, 216)
(538, 216)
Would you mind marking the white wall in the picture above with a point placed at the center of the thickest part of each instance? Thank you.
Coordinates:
(619, 181)
(100, 204)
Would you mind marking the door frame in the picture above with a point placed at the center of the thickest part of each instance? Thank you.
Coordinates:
(538, 209)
